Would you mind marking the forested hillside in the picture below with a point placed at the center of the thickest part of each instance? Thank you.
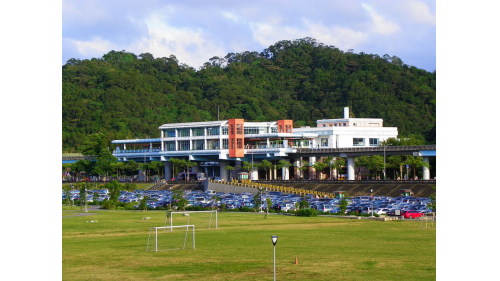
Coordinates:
(124, 95)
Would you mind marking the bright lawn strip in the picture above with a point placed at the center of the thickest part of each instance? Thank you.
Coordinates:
(113, 248)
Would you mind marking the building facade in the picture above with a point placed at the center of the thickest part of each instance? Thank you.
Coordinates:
(216, 144)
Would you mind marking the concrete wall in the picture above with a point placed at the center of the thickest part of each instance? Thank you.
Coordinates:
(226, 188)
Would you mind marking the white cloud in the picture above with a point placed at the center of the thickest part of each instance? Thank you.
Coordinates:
(267, 34)
(342, 38)
(187, 44)
(381, 24)
(231, 16)
(418, 11)
(95, 48)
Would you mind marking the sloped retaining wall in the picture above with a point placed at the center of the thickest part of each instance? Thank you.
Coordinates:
(226, 188)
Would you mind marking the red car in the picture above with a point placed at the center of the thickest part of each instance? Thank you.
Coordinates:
(411, 214)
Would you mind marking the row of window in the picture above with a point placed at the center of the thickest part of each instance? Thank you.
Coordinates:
(196, 145)
(361, 142)
(215, 131)
(354, 124)
(355, 142)
(195, 132)
(336, 125)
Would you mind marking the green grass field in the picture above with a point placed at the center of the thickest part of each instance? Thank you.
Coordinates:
(114, 248)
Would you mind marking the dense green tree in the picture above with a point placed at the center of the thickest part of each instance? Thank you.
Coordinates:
(114, 192)
(231, 171)
(129, 96)
(374, 163)
(319, 166)
(343, 205)
(266, 165)
(283, 164)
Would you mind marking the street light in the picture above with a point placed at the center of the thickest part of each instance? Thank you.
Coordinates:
(251, 172)
(384, 158)
(86, 198)
(260, 207)
(371, 191)
(274, 238)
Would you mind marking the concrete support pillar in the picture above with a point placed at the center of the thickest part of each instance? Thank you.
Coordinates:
(350, 168)
(296, 171)
(275, 172)
(168, 170)
(195, 169)
(223, 172)
(426, 172)
(312, 171)
(162, 143)
(254, 174)
(285, 171)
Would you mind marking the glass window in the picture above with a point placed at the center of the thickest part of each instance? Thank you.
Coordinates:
(197, 132)
(373, 142)
(274, 129)
(239, 143)
(213, 131)
(288, 128)
(324, 141)
(184, 145)
(170, 146)
(358, 142)
(183, 132)
(255, 130)
(232, 143)
(239, 129)
(225, 144)
(213, 144)
(231, 129)
(198, 145)
(225, 131)
(170, 133)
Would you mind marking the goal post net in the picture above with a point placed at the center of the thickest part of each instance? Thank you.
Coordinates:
(174, 239)
(202, 219)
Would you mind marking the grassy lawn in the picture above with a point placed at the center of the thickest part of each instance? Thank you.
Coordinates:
(241, 249)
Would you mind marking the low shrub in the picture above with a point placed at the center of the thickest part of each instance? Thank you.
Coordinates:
(130, 206)
(307, 212)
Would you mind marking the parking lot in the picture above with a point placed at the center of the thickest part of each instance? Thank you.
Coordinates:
(407, 206)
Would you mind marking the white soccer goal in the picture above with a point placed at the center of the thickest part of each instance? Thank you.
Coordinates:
(197, 218)
(170, 240)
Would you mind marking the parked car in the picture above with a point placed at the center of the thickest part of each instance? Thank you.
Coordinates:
(409, 214)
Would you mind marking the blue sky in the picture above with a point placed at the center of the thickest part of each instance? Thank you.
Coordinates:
(194, 30)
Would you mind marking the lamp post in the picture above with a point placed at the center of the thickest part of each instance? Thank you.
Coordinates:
(274, 239)
(260, 205)
(371, 191)
(86, 198)
(384, 158)
(251, 168)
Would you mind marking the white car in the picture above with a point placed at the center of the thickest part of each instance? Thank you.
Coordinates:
(381, 211)
(288, 207)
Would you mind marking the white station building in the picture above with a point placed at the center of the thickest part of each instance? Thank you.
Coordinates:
(217, 144)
